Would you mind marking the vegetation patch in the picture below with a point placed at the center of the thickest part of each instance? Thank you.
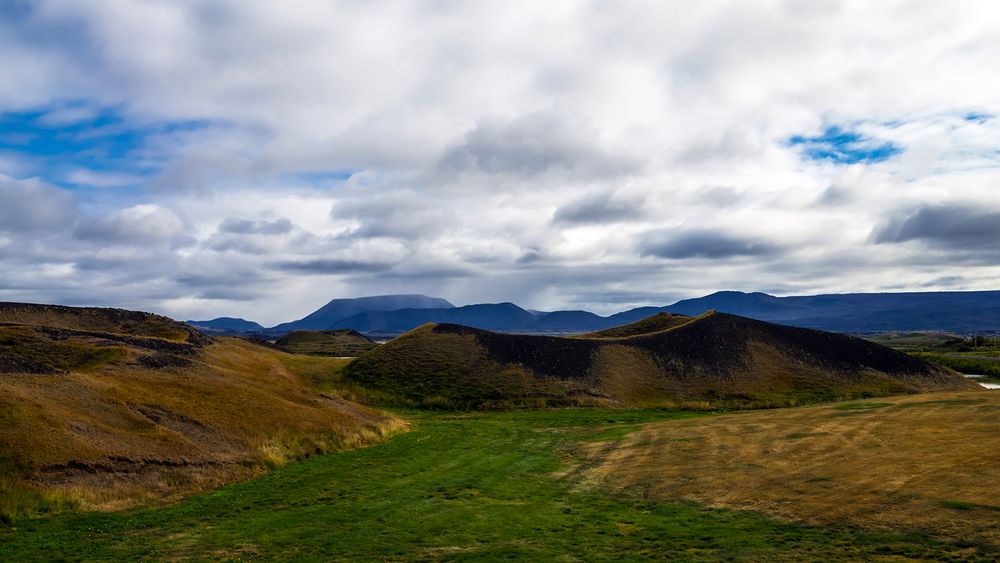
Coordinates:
(880, 469)
(970, 365)
(459, 486)
(25, 350)
(964, 505)
(861, 406)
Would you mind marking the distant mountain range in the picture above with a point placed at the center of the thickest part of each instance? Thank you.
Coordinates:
(955, 311)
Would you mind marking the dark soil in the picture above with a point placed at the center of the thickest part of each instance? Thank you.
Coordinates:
(162, 360)
(546, 356)
(10, 364)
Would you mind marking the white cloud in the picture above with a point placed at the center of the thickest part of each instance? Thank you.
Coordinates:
(478, 134)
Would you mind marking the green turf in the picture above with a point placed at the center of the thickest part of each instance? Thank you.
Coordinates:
(460, 486)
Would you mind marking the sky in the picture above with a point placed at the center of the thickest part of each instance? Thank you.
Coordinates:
(257, 159)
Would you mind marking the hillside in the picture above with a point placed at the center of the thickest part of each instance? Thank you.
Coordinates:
(713, 360)
(340, 343)
(655, 323)
(105, 407)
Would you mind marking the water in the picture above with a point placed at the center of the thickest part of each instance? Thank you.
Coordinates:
(986, 385)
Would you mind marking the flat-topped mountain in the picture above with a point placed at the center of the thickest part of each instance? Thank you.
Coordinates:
(715, 359)
(490, 316)
(326, 317)
(227, 325)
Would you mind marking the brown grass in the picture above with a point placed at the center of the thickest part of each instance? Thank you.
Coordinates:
(927, 463)
(124, 433)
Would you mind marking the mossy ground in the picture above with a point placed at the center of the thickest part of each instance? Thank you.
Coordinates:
(25, 343)
(459, 486)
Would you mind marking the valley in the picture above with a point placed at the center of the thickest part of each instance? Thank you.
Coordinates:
(125, 435)
(468, 486)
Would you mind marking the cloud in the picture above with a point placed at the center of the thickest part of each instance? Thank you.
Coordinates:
(403, 214)
(139, 224)
(701, 243)
(600, 208)
(950, 226)
(533, 145)
(332, 266)
(546, 153)
(33, 206)
(234, 225)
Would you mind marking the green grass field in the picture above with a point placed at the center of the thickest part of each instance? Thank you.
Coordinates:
(459, 486)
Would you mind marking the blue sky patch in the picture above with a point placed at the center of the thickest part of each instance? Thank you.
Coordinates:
(842, 146)
(977, 117)
(74, 144)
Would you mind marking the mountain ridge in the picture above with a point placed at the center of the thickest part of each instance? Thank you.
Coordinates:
(955, 311)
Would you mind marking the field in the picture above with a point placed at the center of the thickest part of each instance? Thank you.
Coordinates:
(471, 486)
(928, 464)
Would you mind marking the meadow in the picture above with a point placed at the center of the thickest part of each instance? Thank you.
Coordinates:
(460, 486)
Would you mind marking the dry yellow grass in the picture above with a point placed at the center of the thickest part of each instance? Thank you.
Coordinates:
(927, 463)
(126, 433)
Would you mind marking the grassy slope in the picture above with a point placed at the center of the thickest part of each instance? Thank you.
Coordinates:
(656, 323)
(709, 361)
(112, 418)
(922, 463)
(115, 321)
(342, 343)
(458, 487)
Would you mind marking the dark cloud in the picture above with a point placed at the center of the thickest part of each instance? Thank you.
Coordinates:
(533, 145)
(530, 256)
(835, 196)
(332, 266)
(247, 227)
(701, 244)
(603, 208)
(406, 215)
(720, 196)
(139, 224)
(950, 226)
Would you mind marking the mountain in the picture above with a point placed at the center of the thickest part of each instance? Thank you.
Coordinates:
(504, 317)
(107, 406)
(493, 316)
(328, 315)
(226, 325)
(956, 311)
(713, 360)
(963, 312)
